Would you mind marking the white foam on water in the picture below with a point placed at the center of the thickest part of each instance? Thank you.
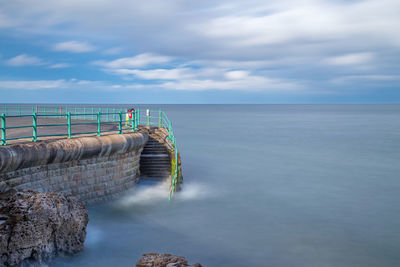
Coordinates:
(145, 195)
(153, 194)
(193, 191)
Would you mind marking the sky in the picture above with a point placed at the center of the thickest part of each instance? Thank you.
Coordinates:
(180, 51)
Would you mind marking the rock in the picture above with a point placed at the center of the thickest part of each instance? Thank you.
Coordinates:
(163, 260)
(34, 227)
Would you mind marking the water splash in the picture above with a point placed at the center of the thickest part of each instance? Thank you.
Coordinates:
(158, 193)
(145, 195)
(193, 191)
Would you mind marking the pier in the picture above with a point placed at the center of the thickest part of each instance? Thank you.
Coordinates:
(91, 153)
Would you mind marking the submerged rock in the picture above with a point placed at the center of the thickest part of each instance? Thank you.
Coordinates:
(163, 260)
(34, 227)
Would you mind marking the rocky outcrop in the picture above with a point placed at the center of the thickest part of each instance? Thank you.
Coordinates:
(163, 260)
(34, 226)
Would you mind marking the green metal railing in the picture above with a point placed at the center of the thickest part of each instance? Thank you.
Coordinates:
(83, 119)
(75, 116)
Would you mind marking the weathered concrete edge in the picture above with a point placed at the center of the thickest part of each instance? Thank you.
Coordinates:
(20, 156)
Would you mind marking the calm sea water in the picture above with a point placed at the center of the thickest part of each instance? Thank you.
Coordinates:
(265, 185)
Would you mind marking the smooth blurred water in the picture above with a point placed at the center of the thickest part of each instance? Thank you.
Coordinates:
(265, 185)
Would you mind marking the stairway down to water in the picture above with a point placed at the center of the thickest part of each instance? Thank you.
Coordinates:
(155, 161)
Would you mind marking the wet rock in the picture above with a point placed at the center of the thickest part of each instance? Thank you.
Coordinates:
(34, 227)
(163, 260)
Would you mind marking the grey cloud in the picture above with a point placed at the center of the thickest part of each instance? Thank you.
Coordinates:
(24, 60)
(141, 60)
(305, 40)
(74, 47)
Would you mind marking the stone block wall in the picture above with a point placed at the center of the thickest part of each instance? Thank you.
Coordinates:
(91, 168)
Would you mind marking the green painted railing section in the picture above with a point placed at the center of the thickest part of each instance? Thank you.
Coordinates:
(90, 116)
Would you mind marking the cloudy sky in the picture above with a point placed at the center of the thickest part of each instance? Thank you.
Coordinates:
(180, 51)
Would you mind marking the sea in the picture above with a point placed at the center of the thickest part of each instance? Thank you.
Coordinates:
(264, 185)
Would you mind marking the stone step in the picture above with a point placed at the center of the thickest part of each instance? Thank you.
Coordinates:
(157, 154)
(151, 150)
(159, 167)
(155, 177)
(160, 143)
(149, 160)
(154, 145)
(155, 174)
(158, 163)
(155, 151)
(155, 148)
(154, 155)
(156, 167)
(155, 164)
(155, 158)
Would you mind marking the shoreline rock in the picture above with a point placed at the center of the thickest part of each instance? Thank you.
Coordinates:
(163, 260)
(35, 227)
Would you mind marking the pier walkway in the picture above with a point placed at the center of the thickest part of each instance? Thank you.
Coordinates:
(46, 132)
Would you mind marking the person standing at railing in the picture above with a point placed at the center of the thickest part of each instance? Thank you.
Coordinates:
(129, 115)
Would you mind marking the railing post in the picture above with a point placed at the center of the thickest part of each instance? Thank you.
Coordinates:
(138, 117)
(134, 120)
(159, 118)
(98, 123)
(93, 114)
(34, 126)
(120, 121)
(148, 117)
(3, 129)
(69, 124)
(19, 110)
(84, 113)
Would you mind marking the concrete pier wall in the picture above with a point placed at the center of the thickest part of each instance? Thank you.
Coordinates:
(90, 168)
